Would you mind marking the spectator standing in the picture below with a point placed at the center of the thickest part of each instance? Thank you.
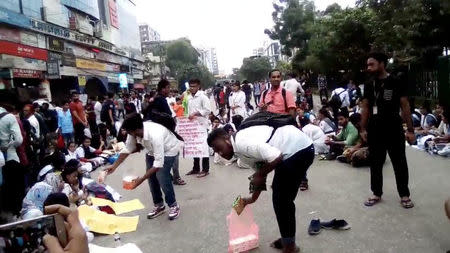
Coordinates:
(322, 84)
(199, 108)
(90, 112)
(257, 91)
(339, 101)
(178, 108)
(108, 114)
(383, 130)
(293, 86)
(50, 117)
(29, 114)
(237, 101)
(136, 101)
(120, 107)
(78, 117)
(98, 109)
(277, 99)
(13, 188)
(247, 89)
(65, 123)
(128, 105)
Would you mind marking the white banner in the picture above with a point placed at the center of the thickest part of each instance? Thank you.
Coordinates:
(195, 137)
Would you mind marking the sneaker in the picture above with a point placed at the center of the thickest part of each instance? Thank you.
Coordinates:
(314, 227)
(335, 224)
(342, 159)
(174, 212)
(157, 211)
(192, 172)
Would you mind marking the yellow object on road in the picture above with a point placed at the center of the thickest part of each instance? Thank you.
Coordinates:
(103, 223)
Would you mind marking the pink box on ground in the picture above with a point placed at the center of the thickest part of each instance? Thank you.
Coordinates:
(243, 231)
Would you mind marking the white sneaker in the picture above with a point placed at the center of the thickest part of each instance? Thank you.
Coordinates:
(174, 212)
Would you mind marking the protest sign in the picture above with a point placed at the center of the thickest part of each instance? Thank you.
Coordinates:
(195, 135)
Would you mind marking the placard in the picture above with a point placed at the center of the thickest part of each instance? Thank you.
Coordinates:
(195, 137)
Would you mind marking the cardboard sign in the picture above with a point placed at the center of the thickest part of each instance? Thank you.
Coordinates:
(195, 137)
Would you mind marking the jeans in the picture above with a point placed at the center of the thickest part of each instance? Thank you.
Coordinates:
(79, 132)
(175, 167)
(387, 136)
(285, 185)
(205, 164)
(162, 180)
(68, 137)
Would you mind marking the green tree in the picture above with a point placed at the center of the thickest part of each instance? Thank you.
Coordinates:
(255, 68)
(284, 66)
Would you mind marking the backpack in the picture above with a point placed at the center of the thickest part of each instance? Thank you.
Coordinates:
(271, 119)
(283, 93)
(335, 100)
(331, 124)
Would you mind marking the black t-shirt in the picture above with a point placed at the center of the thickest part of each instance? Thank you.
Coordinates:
(159, 104)
(386, 94)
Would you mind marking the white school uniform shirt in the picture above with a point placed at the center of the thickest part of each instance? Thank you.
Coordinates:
(72, 155)
(292, 85)
(98, 110)
(325, 127)
(200, 103)
(315, 133)
(250, 144)
(80, 151)
(238, 99)
(343, 95)
(157, 140)
(35, 124)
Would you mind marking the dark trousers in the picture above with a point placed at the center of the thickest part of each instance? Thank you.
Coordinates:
(112, 128)
(119, 112)
(286, 181)
(205, 164)
(257, 99)
(387, 136)
(13, 188)
(324, 93)
(79, 132)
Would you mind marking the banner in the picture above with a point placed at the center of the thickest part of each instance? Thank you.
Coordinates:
(16, 49)
(88, 64)
(27, 73)
(195, 135)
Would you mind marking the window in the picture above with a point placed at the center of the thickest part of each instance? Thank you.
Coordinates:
(12, 5)
(32, 8)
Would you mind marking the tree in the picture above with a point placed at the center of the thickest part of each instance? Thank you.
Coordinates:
(255, 68)
(284, 66)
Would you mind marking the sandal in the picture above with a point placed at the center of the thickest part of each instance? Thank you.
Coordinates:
(407, 203)
(277, 244)
(304, 186)
(179, 181)
(372, 201)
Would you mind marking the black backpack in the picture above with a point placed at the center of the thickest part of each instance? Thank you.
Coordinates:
(283, 93)
(271, 119)
(335, 100)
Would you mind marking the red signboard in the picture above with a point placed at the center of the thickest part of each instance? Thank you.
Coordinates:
(16, 49)
(27, 73)
(113, 14)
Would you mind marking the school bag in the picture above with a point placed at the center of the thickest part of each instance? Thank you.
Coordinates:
(266, 118)
(335, 100)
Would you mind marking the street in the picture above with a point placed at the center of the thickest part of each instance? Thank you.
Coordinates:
(336, 191)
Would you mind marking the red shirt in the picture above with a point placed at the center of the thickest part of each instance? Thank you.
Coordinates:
(275, 101)
(77, 107)
(222, 97)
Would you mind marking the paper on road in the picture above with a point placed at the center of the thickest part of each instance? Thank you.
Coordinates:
(103, 223)
(128, 248)
(119, 207)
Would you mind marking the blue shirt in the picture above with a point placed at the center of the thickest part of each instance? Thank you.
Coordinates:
(65, 121)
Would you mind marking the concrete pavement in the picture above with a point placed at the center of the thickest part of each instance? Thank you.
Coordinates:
(336, 191)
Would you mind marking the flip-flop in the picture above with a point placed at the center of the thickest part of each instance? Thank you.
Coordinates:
(304, 186)
(372, 201)
(407, 203)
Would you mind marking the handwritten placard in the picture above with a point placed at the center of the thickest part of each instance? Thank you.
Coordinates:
(195, 135)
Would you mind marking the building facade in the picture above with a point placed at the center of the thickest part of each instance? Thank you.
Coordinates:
(148, 34)
(55, 46)
(208, 57)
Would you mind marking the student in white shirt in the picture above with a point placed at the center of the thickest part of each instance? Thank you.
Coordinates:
(162, 147)
(288, 151)
(28, 113)
(199, 108)
(292, 85)
(316, 134)
(98, 110)
(237, 101)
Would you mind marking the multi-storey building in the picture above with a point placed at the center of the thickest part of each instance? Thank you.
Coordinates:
(64, 45)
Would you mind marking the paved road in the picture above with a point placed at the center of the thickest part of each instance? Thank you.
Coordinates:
(336, 191)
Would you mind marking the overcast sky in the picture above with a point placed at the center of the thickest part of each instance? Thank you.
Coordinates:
(233, 27)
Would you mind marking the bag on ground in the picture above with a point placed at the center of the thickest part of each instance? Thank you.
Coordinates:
(243, 231)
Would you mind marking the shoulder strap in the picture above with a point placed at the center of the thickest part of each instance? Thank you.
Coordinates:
(264, 96)
(3, 114)
(283, 93)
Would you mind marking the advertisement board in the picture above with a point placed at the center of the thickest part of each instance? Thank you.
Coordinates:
(16, 49)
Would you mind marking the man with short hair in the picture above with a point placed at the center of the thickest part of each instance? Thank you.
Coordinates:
(348, 136)
(109, 112)
(277, 99)
(78, 116)
(28, 113)
(163, 147)
(293, 86)
(383, 130)
(98, 109)
(237, 101)
(199, 108)
(322, 84)
(288, 151)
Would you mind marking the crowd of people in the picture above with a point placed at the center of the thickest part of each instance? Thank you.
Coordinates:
(52, 150)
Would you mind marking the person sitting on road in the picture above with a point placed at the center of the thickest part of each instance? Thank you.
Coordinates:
(326, 121)
(86, 167)
(73, 186)
(317, 136)
(289, 152)
(348, 137)
(86, 153)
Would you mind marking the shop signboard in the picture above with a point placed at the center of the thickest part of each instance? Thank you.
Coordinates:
(12, 18)
(113, 14)
(123, 80)
(10, 61)
(16, 49)
(27, 73)
(55, 44)
(112, 67)
(32, 39)
(69, 60)
(89, 64)
(12, 35)
(138, 74)
(54, 60)
(82, 80)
